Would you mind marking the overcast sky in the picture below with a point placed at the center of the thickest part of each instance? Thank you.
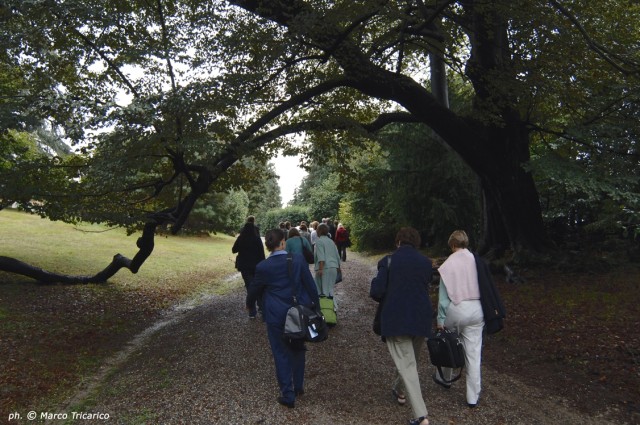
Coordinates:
(290, 176)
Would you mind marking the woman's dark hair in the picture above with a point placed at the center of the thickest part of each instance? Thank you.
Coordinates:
(249, 229)
(273, 238)
(293, 232)
(408, 236)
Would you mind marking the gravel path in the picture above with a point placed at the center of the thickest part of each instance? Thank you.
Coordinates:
(212, 365)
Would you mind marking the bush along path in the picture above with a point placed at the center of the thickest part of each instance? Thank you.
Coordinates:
(213, 365)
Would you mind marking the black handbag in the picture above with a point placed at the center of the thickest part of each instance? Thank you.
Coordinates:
(302, 322)
(377, 322)
(305, 323)
(446, 350)
(306, 252)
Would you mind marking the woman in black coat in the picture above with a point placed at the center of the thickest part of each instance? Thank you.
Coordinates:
(250, 251)
(402, 285)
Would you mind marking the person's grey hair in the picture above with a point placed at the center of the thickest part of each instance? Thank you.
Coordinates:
(459, 239)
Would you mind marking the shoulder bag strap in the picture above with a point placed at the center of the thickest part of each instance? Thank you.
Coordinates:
(290, 272)
(293, 287)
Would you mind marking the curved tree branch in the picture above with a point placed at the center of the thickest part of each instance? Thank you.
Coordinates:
(621, 64)
(145, 244)
(567, 136)
(100, 53)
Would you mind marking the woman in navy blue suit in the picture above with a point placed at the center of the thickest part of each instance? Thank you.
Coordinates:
(273, 283)
(402, 284)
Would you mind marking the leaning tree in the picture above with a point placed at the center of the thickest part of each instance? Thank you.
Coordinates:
(162, 98)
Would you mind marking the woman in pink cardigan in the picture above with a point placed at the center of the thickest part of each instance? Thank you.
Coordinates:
(459, 309)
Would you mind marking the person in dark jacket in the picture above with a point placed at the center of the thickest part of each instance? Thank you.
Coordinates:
(250, 252)
(402, 285)
(276, 286)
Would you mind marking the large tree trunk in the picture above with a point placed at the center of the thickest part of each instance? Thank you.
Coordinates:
(493, 142)
(513, 218)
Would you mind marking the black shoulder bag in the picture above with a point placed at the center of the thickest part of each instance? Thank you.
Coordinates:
(446, 350)
(302, 322)
(377, 322)
(306, 252)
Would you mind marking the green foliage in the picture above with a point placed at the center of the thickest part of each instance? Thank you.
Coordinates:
(224, 212)
(587, 195)
(272, 219)
(263, 189)
(157, 96)
(28, 167)
(407, 179)
(420, 185)
(322, 189)
(325, 198)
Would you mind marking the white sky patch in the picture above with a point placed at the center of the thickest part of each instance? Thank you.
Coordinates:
(290, 176)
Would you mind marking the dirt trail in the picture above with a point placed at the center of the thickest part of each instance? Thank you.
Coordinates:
(211, 365)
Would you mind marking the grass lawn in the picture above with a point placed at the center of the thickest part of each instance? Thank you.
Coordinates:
(51, 336)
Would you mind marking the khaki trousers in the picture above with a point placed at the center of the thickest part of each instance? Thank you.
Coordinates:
(405, 352)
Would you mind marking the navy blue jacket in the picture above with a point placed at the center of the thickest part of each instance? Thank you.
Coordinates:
(272, 281)
(407, 306)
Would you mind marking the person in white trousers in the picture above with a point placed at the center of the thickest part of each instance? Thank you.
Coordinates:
(459, 309)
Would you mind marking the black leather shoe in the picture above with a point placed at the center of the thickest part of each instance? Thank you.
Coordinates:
(417, 421)
(439, 382)
(289, 404)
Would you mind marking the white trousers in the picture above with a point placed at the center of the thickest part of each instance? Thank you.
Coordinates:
(467, 319)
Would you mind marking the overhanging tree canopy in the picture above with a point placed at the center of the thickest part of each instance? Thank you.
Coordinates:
(210, 82)
(539, 68)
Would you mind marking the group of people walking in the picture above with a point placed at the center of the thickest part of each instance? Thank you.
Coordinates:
(401, 285)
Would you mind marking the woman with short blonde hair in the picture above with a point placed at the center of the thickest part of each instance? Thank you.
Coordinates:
(460, 309)
(458, 239)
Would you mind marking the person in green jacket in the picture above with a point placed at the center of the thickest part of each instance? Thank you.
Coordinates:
(327, 262)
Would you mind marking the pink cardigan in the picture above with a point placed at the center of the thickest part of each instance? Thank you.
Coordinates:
(460, 276)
